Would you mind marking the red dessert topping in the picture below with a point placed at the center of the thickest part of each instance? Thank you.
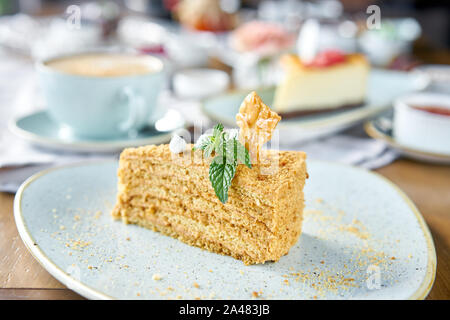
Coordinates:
(327, 58)
(436, 110)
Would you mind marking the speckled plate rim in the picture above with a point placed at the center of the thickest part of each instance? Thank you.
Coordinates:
(84, 146)
(342, 118)
(91, 293)
(71, 283)
(373, 132)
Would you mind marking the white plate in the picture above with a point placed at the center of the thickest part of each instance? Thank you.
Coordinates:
(358, 228)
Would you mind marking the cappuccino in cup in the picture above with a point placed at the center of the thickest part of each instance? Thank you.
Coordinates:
(102, 95)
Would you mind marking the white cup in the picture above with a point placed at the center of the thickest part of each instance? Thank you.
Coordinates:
(419, 129)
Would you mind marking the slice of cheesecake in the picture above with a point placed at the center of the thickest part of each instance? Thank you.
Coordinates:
(332, 81)
(172, 193)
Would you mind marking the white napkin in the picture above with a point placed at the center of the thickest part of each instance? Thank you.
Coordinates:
(348, 149)
(19, 160)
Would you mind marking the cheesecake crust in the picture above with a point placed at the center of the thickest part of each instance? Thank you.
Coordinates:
(310, 112)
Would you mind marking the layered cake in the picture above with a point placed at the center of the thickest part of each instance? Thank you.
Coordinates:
(332, 81)
(257, 220)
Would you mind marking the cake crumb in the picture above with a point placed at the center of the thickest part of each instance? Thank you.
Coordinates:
(195, 284)
(156, 277)
(97, 214)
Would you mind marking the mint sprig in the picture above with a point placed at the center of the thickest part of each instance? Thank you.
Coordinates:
(228, 153)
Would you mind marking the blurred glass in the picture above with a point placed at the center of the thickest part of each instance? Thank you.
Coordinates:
(318, 35)
(395, 37)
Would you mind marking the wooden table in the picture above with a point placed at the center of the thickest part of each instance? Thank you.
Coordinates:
(21, 277)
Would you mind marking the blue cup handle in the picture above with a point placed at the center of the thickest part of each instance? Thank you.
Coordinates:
(136, 111)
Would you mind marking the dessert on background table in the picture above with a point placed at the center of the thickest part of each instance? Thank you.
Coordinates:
(261, 38)
(332, 81)
(254, 50)
(224, 195)
(204, 15)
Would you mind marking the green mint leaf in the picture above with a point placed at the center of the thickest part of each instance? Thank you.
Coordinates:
(221, 174)
(218, 129)
(218, 143)
(208, 149)
(228, 151)
(242, 154)
(236, 152)
(203, 142)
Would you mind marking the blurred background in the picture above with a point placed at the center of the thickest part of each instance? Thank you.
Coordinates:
(194, 32)
(243, 38)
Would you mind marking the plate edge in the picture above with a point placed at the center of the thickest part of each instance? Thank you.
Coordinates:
(425, 287)
(48, 264)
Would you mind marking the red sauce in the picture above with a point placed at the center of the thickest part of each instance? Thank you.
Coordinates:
(327, 58)
(434, 109)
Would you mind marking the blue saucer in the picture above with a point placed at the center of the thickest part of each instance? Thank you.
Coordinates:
(39, 129)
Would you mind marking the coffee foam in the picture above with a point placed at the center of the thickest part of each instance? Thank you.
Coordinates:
(105, 65)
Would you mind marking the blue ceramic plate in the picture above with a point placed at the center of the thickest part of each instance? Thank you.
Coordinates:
(362, 239)
(383, 87)
(38, 128)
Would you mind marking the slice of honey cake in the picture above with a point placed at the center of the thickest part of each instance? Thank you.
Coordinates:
(252, 212)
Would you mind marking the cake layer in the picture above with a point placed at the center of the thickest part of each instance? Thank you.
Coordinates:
(212, 241)
(248, 246)
(196, 203)
(261, 190)
(173, 194)
(247, 206)
(312, 89)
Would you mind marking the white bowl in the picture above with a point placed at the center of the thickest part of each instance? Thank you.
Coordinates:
(422, 130)
(200, 83)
